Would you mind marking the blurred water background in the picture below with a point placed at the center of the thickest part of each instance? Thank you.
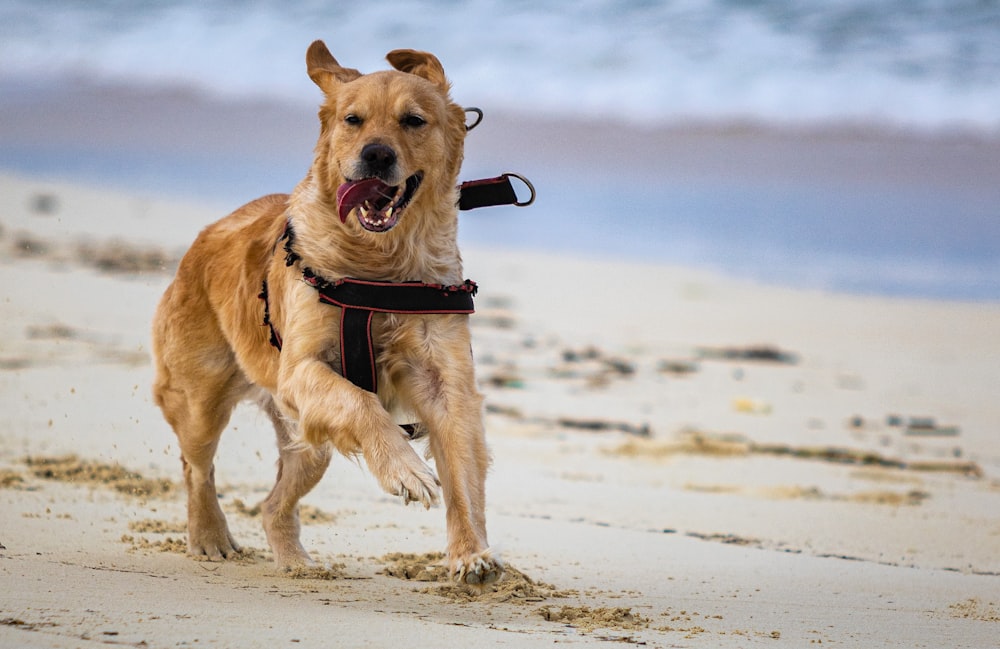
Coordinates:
(209, 98)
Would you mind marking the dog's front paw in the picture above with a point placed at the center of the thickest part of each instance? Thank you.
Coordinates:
(419, 485)
(405, 474)
(477, 569)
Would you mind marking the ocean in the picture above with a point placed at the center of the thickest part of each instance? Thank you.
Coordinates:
(922, 63)
(926, 68)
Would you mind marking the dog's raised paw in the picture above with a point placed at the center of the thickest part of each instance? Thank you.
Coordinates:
(421, 488)
(405, 474)
(478, 570)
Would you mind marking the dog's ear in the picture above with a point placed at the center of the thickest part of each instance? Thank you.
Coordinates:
(324, 70)
(422, 64)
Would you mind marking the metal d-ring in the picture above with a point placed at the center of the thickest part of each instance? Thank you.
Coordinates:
(479, 117)
(527, 183)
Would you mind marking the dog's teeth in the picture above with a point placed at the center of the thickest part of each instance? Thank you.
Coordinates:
(388, 213)
(363, 212)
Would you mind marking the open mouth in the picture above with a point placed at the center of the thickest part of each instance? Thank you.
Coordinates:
(377, 205)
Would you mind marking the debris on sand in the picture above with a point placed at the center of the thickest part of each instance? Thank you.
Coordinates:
(754, 353)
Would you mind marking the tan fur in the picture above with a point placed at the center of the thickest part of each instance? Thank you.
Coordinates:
(212, 351)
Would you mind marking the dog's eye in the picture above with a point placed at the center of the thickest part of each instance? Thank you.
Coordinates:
(352, 120)
(413, 121)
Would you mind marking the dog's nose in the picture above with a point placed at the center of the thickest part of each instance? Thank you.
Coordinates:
(378, 158)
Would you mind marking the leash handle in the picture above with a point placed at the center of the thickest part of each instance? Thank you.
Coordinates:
(493, 191)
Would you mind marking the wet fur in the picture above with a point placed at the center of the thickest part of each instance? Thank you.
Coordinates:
(211, 350)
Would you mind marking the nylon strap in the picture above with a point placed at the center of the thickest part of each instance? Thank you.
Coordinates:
(359, 300)
(486, 193)
(357, 357)
(492, 191)
(398, 297)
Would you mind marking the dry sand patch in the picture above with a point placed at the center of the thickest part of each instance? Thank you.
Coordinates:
(693, 442)
(975, 609)
(70, 468)
(169, 544)
(115, 256)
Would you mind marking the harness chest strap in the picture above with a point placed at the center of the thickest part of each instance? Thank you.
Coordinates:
(359, 300)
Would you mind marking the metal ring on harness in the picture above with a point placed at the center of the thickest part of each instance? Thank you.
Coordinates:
(527, 183)
(479, 117)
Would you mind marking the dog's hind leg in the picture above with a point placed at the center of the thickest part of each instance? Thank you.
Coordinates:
(198, 411)
(300, 467)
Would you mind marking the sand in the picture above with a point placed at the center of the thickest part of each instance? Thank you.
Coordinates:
(690, 460)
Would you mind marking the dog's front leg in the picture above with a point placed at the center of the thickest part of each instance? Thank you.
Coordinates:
(329, 408)
(442, 390)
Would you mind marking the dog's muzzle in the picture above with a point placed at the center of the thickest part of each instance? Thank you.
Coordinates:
(378, 206)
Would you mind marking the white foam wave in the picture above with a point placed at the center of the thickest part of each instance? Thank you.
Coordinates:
(658, 62)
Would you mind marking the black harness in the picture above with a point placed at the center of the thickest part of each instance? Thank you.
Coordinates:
(360, 299)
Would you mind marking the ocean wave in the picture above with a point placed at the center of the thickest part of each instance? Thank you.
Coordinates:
(923, 64)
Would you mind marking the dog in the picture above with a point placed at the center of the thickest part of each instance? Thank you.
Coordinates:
(378, 203)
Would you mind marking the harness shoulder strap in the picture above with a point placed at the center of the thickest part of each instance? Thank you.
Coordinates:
(398, 297)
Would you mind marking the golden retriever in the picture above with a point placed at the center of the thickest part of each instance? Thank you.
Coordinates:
(378, 203)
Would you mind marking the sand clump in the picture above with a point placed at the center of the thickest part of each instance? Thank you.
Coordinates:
(10, 479)
(70, 468)
(975, 609)
(331, 572)
(585, 618)
(415, 567)
(18, 623)
(169, 544)
(515, 587)
(154, 526)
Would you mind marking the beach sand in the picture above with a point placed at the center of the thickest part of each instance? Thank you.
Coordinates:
(681, 459)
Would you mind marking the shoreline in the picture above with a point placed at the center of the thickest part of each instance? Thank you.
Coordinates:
(38, 216)
(841, 208)
(82, 116)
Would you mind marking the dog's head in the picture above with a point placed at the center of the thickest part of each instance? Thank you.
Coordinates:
(389, 140)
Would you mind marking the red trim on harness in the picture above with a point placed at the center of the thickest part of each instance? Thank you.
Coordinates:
(360, 300)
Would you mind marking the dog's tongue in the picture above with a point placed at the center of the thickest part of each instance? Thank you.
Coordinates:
(354, 194)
